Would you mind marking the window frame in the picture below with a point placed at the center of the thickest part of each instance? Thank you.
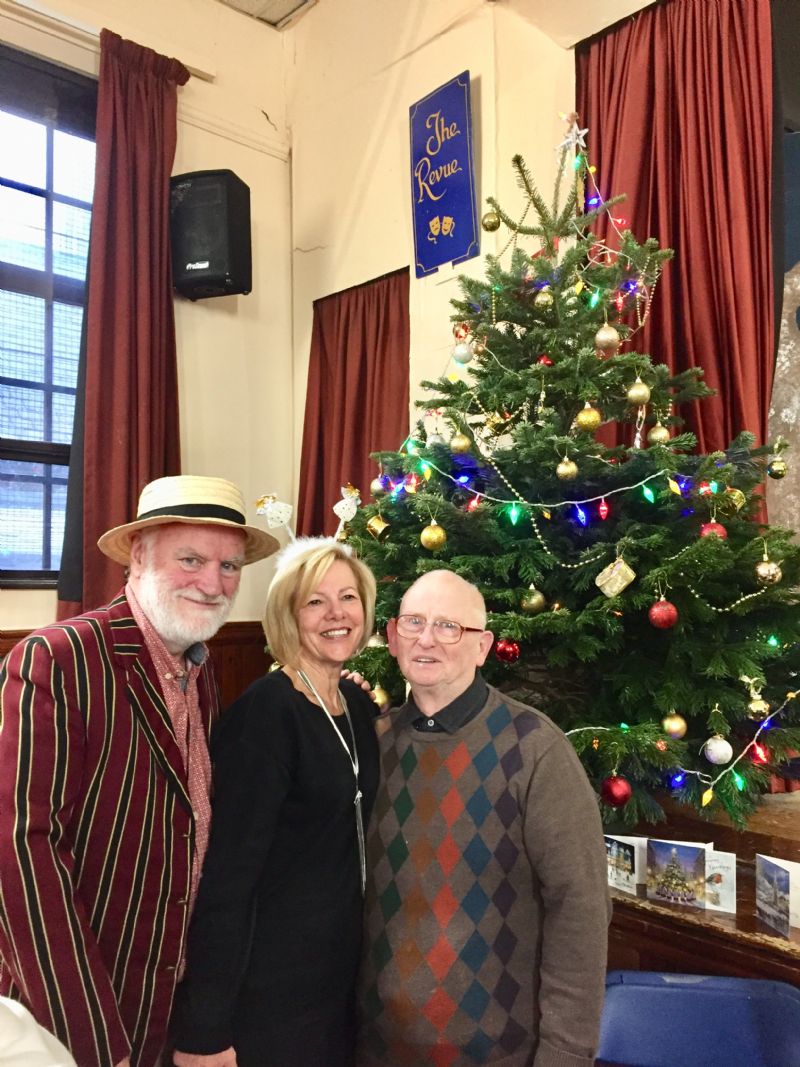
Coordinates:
(46, 285)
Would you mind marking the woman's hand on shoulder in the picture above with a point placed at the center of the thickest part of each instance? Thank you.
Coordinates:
(216, 1059)
(359, 679)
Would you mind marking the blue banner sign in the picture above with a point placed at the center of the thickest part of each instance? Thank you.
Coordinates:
(442, 177)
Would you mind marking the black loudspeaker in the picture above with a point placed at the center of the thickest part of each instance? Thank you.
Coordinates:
(210, 234)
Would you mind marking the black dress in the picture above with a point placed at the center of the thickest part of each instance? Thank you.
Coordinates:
(275, 940)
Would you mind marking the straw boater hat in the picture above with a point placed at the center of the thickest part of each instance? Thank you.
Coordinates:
(191, 499)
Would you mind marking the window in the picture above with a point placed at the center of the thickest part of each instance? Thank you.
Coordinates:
(47, 118)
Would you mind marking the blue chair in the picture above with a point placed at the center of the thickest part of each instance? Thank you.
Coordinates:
(687, 1020)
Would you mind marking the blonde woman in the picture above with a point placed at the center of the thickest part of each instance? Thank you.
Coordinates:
(275, 939)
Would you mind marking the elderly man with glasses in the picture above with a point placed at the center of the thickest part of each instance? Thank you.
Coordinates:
(487, 906)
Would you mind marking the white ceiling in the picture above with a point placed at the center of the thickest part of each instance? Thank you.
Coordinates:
(277, 13)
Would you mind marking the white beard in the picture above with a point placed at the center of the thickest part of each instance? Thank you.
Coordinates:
(170, 611)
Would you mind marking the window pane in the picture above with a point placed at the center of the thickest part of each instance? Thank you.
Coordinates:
(73, 166)
(22, 228)
(63, 411)
(67, 321)
(70, 240)
(21, 336)
(29, 540)
(21, 413)
(24, 155)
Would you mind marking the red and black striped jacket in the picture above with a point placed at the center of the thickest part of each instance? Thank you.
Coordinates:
(96, 836)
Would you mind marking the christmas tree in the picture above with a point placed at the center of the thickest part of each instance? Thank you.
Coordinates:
(673, 885)
(635, 596)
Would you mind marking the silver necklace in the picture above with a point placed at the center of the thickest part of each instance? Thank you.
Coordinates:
(353, 757)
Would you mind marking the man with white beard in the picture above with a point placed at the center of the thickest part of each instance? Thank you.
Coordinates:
(105, 776)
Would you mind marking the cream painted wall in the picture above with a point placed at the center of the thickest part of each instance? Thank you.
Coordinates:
(348, 110)
(234, 353)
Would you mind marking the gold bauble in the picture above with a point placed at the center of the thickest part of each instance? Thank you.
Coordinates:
(658, 435)
(736, 497)
(377, 641)
(543, 300)
(607, 340)
(459, 442)
(378, 527)
(638, 393)
(434, 536)
(567, 469)
(588, 419)
(776, 468)
(380, 696)
(533, 601)
(757, 709)
(377, 488)
(768, 572)
(674, 725)
(343, 532)
(491, 221)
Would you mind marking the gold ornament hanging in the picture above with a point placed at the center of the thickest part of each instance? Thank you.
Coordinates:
(768, 572)
(736, 497)
(658, 435)
(377, 488)
(491, 221)
(433, 537)
(459, 442)
(607, 340)
(544, 299)
(567, 469)
(674, 725)
(588, 419)
(380, 696)
(379, 528)
(776, 468)
(757, 709)
(533, 601)
(343, 532)
(377, 641)
(638, 393)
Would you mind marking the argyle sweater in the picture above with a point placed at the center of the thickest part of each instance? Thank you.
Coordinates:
(487, 906)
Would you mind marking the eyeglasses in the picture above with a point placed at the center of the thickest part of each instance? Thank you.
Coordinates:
(444, 630)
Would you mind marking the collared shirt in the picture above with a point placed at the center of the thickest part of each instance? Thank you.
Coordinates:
(455, 714)
(177, 676)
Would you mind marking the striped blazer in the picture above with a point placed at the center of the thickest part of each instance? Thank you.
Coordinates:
(96, 836)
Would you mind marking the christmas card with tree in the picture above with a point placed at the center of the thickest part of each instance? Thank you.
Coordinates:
(690, 874)
(778, 893)
(627, 863)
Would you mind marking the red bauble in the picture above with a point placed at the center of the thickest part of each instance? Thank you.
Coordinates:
(506, 650)
(545, 361)
(663, 614)
(713, 529)
(616, 790)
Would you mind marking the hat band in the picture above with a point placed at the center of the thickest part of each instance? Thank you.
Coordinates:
(196, 511)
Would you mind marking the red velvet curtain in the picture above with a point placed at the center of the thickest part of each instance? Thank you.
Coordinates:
(129, 433)
(678, 102)
(357, 398)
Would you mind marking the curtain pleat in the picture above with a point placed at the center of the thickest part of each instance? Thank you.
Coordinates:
(130, 431)
(357, 396)
(679, 105)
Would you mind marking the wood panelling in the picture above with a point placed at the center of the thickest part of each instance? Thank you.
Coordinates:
(240, 656)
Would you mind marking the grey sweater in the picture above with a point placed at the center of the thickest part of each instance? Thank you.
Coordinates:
(487, 907)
